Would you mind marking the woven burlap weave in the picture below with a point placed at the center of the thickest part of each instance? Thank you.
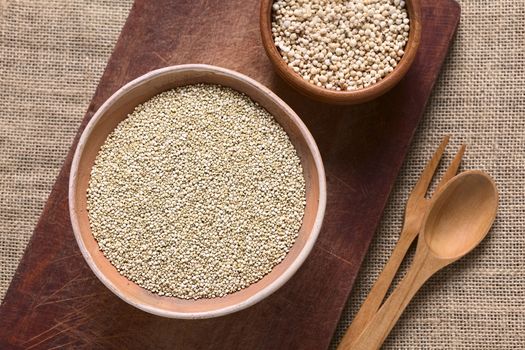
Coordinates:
(52, 53)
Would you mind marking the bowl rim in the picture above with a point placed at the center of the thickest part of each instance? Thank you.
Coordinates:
(258, 296)
(334, 96)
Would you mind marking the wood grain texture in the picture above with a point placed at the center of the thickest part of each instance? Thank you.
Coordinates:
(55, 300)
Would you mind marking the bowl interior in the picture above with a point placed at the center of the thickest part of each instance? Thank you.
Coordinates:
(115, 110)
(342, 97)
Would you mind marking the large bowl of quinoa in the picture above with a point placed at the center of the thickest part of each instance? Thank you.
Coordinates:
(195, 192)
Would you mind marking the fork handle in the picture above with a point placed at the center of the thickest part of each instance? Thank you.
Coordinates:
(377, 293)
(377, 330)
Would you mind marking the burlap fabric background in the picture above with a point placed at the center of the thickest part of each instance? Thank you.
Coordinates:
(52, 53)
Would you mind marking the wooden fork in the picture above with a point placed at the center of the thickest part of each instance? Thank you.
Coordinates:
(415, 210)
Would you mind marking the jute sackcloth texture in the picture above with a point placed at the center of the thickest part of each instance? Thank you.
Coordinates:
(52, 54)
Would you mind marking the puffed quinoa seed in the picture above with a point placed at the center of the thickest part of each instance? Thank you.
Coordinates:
(341, 44)
(197, 194)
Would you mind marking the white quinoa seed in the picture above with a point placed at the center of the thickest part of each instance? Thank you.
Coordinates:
(197, 194)
(335, 43)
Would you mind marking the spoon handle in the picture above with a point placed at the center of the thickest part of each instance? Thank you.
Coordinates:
(385, 319)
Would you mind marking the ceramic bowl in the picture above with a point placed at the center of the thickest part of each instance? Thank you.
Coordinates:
(117, 108)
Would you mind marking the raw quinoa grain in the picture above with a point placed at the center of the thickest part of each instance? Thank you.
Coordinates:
(197, 194)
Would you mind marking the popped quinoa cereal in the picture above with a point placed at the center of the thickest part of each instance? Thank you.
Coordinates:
(341, 44)
(198, 193)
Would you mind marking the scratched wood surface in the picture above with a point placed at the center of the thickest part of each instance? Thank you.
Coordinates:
(55, 301)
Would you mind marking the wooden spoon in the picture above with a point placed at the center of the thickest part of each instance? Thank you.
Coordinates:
(460, 216)
(416, 209)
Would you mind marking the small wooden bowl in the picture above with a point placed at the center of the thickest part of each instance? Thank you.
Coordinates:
(117, 108)
(342, 97)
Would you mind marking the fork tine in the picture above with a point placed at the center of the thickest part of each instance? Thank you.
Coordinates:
(420, 189)
(453, 168)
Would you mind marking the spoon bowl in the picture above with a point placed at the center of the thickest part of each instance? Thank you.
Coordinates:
(461, 216)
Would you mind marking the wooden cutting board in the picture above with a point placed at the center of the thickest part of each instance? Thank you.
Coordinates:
(55, 301)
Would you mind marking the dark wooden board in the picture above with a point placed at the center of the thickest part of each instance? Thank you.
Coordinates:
(55, 301)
